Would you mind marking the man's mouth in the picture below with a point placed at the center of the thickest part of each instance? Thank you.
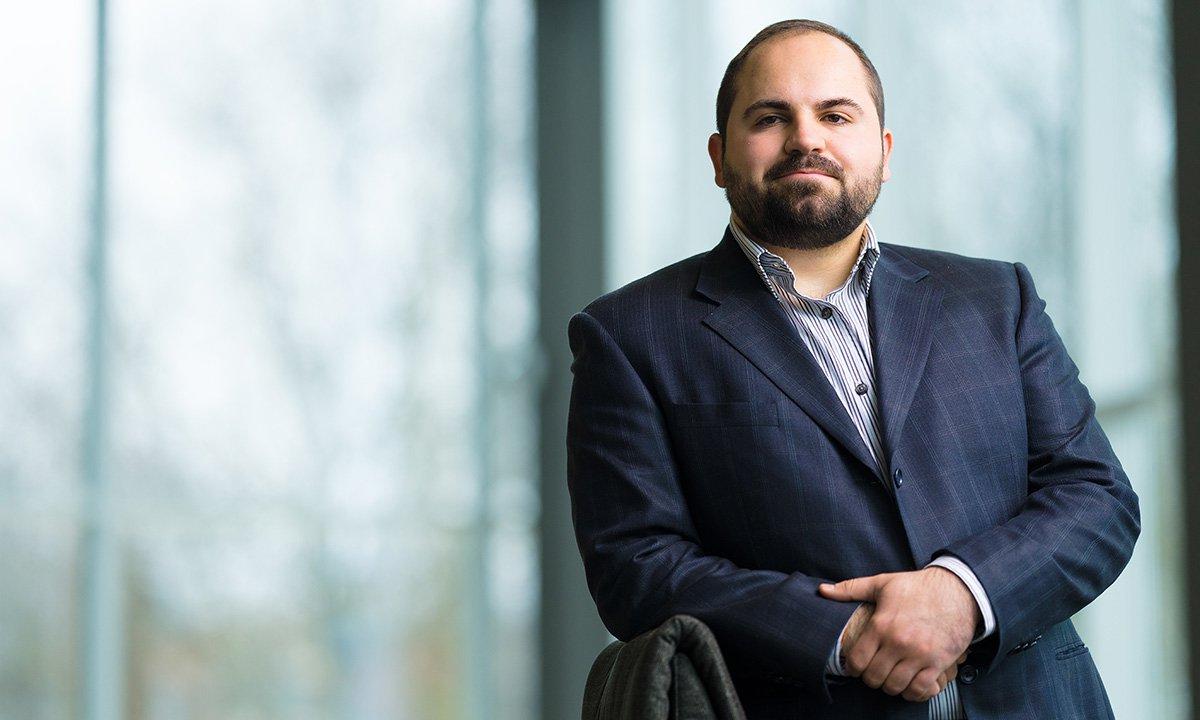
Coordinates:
(808, 172)
(809, 169)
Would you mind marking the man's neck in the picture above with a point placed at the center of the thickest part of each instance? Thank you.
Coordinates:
(821, 271)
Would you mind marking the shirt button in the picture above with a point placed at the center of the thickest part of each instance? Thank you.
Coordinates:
(826, 312)
(861, 388)
(898, 477)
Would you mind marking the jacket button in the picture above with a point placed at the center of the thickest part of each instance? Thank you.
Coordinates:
(968, 674)
(898, 477)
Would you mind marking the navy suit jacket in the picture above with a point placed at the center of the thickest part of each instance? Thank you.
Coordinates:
(714, 472)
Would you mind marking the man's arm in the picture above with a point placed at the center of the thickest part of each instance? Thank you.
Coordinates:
(640, 549)
(1069, 541)
(1076, 530)
(1078, 526)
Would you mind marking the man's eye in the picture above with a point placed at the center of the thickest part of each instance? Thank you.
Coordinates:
(837, 119)
(769, 120)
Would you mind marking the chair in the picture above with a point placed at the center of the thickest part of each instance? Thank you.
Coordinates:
(673, 672)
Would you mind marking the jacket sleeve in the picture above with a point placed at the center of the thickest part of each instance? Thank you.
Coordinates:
(641, 552)
(1077, 528)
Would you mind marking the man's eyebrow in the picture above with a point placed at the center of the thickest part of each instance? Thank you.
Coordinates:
(831, 103)
(765, 103)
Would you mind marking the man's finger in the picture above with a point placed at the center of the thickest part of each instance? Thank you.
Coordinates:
(902, 675)
(942, 681)
(860, 653)
(880, 667)
(947, 675)
(863, 589)
(925, 685)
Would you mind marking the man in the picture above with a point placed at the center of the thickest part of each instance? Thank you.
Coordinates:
(871, 469)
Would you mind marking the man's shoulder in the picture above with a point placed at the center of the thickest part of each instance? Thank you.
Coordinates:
(944, 262)
(674, 281)
(956, 272)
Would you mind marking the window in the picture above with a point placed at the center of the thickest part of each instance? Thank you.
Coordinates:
(313, 496)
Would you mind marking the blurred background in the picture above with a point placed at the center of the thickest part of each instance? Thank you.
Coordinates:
(284, 294)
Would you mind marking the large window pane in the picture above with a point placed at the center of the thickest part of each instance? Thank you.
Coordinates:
(45, 155)
(297, 262)
(319, 415)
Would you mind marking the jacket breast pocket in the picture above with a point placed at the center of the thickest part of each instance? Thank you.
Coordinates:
(729, 455)
(723, 414)
(1067, 652)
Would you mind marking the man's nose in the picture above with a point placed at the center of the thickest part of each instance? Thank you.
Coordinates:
(807, 135)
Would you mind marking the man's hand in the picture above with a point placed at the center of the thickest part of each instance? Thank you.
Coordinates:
(911, 641)
(858, 622)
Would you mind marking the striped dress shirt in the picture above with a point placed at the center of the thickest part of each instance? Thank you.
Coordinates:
(836, 332)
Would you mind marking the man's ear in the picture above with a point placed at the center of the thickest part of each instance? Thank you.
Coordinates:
(887, 154)
(716, 148)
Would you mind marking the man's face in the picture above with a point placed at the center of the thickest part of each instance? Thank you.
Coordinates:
(803, 156)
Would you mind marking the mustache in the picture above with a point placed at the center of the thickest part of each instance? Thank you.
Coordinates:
(811, 161)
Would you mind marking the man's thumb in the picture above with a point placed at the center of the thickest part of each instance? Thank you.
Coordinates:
(861, 588)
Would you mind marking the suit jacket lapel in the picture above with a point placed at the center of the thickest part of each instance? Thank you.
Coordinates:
(750, 319)
(902, 306)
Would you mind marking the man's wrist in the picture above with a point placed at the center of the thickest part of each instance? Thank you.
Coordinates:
(985, 618)
(967, 617)
(851, 631)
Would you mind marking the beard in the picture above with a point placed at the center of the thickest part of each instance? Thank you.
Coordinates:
(802, 214)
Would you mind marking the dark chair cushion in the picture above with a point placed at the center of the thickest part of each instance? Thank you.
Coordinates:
(673, 672)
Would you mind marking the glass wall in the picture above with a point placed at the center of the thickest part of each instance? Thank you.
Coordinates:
(45, 158)
(311, 413)
(270, 371)
(1030, 131)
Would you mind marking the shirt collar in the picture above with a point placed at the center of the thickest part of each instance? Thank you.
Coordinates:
(768, 263)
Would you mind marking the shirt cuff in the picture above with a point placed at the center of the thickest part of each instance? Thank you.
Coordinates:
(967, 575)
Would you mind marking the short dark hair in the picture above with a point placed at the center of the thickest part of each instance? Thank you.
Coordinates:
(728, 88)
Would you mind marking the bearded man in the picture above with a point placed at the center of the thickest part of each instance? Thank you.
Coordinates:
(871, 469)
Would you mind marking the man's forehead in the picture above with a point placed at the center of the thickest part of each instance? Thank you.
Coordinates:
(810, 64)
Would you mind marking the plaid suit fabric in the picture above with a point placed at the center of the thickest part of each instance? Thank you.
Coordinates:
(714, 472)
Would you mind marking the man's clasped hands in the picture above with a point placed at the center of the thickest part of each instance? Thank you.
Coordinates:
(911, 632)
